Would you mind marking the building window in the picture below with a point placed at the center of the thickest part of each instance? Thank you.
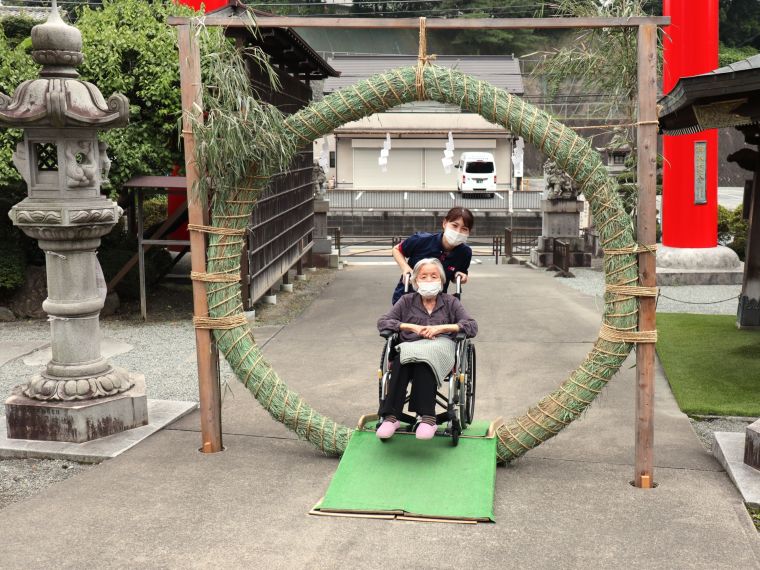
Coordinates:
(332, 159)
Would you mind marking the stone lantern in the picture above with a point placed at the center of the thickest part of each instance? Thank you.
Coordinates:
(79, 395)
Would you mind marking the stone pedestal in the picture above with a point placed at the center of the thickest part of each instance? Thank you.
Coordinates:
(698, 266)
(752, 445)
(561, 220)
(76, 421)
(324, 254)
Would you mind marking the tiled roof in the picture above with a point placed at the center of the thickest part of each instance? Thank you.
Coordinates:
(32, 12)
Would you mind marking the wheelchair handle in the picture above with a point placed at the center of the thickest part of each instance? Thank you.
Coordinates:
(407, 281)
(458, 294)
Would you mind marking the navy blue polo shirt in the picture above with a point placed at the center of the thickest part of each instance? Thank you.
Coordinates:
(423, 245)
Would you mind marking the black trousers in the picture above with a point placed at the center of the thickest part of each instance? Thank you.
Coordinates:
(424, 387)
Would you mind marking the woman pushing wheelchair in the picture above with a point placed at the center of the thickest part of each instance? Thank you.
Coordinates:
(427, 322)
(447, 246)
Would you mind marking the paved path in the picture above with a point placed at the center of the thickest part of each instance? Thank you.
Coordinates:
(567, 504)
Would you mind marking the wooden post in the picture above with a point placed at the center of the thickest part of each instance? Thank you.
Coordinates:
(647, 178)
(208, 357)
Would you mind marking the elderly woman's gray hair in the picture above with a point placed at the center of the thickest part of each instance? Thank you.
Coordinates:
(423, 262)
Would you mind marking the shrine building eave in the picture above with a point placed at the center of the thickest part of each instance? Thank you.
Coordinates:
(725, 97)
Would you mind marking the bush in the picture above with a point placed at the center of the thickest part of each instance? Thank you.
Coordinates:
(728, 55)
(154, 211)
(12, 264)
(733, 229)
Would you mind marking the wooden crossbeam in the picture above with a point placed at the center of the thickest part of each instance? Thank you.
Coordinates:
(431, 23)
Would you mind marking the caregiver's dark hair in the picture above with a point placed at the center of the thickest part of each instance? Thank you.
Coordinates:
(458, 212)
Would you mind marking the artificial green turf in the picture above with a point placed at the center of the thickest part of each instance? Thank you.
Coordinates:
(712, 367)
(423, 478)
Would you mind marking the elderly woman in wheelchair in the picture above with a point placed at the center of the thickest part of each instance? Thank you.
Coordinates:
(428, 343)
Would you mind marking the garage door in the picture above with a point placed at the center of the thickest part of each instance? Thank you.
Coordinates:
(435, 176)
(405, 169)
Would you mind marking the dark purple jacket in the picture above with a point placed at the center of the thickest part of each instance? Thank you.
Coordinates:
(409, 309)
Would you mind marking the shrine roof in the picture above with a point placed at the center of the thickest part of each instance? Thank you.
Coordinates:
(728, 96)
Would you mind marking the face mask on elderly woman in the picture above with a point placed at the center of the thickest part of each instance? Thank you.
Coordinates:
(429, 288)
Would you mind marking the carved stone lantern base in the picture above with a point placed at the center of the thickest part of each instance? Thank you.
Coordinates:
(110, 382)
(77, 421)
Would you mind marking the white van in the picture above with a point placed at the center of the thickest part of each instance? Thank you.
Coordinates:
(476, 172)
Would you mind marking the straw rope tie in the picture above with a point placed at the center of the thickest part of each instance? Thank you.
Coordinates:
(234, 343)
(556, 419)
(509, 431)
(574, 396)
(298, 412)
(216, 230)
(606, 332)
(530, 433)
(584, 387)
(422, 60)
(505, 443)
(322, 433)
(574, 413)
(390, 86)
(220, 323)
(632, 250)
(298, 134)
(632, 290)
(214, 277)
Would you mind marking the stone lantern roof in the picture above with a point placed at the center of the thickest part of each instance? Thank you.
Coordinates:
(58, 98)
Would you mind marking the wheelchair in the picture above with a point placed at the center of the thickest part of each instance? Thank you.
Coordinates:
(458, 405)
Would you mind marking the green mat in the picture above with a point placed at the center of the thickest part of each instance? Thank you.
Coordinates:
(404, 477)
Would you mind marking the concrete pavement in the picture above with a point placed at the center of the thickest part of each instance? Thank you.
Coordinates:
(565, 504)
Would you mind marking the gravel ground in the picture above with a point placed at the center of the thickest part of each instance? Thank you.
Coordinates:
(705, 428)
(23, 478)
(164, 346)
(698, 299)
(164, 351)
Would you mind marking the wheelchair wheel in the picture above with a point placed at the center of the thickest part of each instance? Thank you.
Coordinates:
(384, 371)
(470, 385)
(456, 431)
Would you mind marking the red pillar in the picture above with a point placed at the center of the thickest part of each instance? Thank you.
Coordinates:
(208, 5)
(690, 45)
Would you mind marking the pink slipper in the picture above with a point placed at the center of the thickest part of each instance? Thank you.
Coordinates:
(425, 431)
(387, 429)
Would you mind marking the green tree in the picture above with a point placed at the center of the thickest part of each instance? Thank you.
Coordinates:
(728, 55)
(739, 22)
(128, 48)
(138, 59)
(733, 229)
(605, 61)
(16, 66)
(491, 42)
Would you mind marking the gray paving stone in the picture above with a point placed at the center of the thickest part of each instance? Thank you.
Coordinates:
(10, 350)
(161, 413)
(729, 450)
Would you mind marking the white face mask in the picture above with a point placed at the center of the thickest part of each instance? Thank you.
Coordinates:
(454, 237)
(429, 288)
